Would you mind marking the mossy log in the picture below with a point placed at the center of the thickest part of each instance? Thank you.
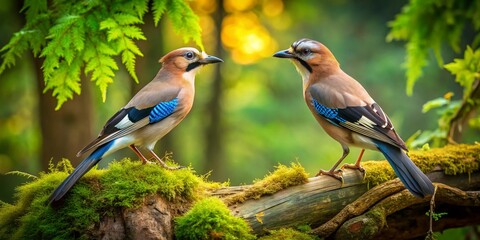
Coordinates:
(134, 201)
(352, 210)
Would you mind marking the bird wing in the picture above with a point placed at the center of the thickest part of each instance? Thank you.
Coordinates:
(130, 118)
(365, 119)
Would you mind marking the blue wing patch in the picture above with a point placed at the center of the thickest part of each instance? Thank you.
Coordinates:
(162, 110)
(331, 114)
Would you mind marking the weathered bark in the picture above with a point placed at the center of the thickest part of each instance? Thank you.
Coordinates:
(153, 220)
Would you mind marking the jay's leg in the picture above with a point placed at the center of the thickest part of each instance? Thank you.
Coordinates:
(357, 164)
(333, 172)
(164, 165)
(139, 154)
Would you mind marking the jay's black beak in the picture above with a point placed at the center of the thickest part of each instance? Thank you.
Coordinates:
(284, 54)
(210, 59)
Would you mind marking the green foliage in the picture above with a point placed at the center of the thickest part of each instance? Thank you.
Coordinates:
(436, 216)
(445, 109)
(88, 35)
(99, 192)
(185, 21)
(466, 70)
(428, 25)
(467, 74)
(210, 218)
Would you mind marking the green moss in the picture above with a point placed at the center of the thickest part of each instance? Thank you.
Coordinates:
(124, 184)
(129, 181)
(211, 219)
(287, 234)
(283, 177)
(452, 159)
(378, 172)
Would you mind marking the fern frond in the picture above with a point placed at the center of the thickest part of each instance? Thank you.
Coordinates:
(121, 33)
(64, 81)
(33, 8)
(185, 21)
(22, 174)
(89, 34)
(158, 7)
(14, 48)
(101, 64)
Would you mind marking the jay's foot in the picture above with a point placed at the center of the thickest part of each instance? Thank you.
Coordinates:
(356, 167)
(337, 174)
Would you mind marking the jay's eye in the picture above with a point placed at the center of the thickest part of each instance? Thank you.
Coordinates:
(306, 51)
(189, 55)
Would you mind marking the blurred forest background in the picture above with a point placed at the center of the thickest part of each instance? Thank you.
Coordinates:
(249, 114)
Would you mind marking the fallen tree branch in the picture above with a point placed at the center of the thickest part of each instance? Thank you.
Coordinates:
(324, 203)
(371, 223)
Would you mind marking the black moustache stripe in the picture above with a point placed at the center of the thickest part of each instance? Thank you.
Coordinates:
(305, 64)
(192, 66)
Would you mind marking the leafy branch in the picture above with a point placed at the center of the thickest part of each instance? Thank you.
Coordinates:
(88, 35)
(429, 25)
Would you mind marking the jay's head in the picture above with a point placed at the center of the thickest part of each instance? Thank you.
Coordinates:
(309, 56)
(185, 60)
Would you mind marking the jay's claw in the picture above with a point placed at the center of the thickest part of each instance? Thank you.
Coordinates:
(356, 167)
(337, 174)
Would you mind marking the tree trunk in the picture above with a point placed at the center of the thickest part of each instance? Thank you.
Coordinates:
(66, 131)
(213, 132)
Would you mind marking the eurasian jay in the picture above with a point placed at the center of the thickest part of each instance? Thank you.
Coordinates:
(349, 115)
(153, 112)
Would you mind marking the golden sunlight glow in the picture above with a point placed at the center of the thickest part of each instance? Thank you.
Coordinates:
(208, 30)
(204, 6)
(246, 38)
(272, 8)
(238, 5)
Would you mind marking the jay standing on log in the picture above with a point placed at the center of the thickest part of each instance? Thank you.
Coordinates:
(153, 112)
(349, 115)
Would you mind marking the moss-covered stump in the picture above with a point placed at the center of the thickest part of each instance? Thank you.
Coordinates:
(129, 200)
(134, 201)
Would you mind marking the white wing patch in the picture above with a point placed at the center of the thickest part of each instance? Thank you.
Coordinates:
(366, 122)
(124, 123)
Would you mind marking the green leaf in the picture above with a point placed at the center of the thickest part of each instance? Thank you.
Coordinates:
(90, 34)
(101, 64)
(435, 103)
(159, 7)
(185, 21)
(428, 25)
(415, 61)
(64, 81)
